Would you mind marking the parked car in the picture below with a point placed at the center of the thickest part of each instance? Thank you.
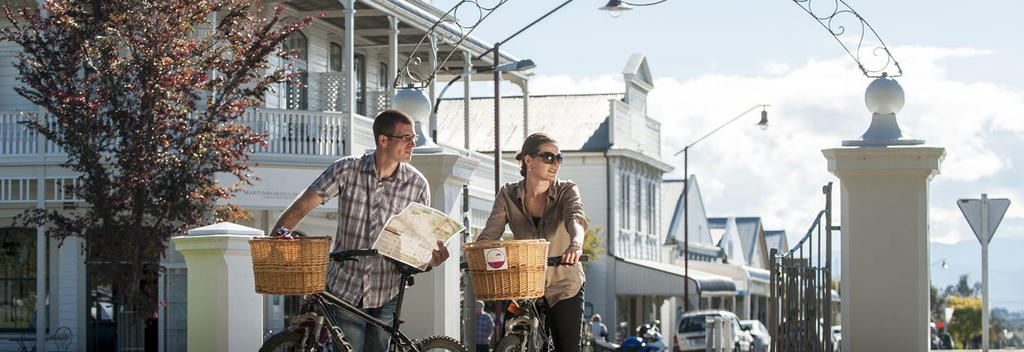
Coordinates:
(762, 340)
(691, 331)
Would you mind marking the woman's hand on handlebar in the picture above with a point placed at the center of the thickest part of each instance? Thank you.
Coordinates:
(439, 255)
(572, 254)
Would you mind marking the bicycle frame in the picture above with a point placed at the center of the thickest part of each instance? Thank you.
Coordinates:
(319, 303)
(530, 325)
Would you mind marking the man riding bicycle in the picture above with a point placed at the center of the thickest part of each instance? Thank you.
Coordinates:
(370, 190)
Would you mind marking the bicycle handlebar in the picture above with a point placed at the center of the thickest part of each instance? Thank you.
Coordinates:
(551, 261)
(556, 261)
(351, 254)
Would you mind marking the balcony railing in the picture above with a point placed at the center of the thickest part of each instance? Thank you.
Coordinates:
(289, 132)
(298, 132)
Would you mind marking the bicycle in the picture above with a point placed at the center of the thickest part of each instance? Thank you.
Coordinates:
(314, 326)
(527, 331)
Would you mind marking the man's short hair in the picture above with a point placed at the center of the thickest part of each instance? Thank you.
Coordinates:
(384, 123)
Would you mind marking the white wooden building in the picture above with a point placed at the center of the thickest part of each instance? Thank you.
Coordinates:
(350, 57)
(613, 152)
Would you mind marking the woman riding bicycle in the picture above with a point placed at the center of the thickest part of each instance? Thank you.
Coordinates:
(541, 206)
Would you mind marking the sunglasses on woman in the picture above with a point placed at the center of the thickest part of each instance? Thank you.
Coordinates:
(549, 157)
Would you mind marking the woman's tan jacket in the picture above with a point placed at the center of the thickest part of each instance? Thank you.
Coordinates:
(564, 206)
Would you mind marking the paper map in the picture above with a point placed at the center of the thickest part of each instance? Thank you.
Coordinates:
(412, 235)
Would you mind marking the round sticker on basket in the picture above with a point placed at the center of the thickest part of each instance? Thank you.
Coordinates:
(496, 258)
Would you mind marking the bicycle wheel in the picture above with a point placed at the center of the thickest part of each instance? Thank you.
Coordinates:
(440, 343)
(510, 343)
(285, 341)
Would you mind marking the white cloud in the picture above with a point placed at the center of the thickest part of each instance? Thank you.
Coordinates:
(778, 174)
(948, 225)
(774, 68)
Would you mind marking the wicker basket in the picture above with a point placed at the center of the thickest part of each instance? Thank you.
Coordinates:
(521, 277)
(290, 267)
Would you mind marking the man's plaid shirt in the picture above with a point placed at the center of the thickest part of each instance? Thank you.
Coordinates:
(484, 328)
(364, 205)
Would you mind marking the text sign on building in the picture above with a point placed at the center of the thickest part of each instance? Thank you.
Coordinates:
(984, 215)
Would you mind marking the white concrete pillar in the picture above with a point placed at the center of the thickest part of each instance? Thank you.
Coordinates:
(224, 311)
(348, 57)
(884, 211)
(466, 80)
(432, 306)
(392, 55)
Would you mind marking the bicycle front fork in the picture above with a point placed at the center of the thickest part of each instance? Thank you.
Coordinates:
(529, 328)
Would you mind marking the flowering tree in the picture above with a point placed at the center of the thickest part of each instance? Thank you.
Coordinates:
(145, 97)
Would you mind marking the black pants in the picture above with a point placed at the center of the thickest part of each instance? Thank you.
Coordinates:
(565, 322)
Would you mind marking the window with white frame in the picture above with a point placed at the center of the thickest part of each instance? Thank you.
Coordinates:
(638, 204)
(652, 208)
(360, 83)
(296, 97)
(17, 279)
(624, 202)
(336, 62)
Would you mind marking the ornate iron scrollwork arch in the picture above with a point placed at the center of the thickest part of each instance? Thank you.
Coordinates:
(832, 21)
(452, 28)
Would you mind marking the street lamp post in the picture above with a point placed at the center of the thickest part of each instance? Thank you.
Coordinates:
(763, 125)
(497, 93)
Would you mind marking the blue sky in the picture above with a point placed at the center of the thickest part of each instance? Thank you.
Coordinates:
(713, 59)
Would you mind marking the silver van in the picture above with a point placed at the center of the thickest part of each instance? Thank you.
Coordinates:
(691, 334)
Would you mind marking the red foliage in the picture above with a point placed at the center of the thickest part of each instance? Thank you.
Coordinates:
(145, 97)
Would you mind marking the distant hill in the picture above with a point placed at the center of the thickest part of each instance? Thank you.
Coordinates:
(1013, 319)
(1005, 286)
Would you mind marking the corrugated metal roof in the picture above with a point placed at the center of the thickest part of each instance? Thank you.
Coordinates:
(776, 239)
(576, 121)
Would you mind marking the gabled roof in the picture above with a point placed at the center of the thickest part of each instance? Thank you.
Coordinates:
(579, 122)
(699, 229)
(776, 239)
(637, 66)
(670, 192)
(748, 229)
(731, 243)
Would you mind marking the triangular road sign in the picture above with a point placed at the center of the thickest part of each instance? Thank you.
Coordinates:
(972, 210)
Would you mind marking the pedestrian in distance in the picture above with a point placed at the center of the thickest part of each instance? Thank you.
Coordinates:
(542, 206)
(597, 328)
(484, 328)
(370, 189)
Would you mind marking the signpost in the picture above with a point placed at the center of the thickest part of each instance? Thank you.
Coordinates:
(984, 216)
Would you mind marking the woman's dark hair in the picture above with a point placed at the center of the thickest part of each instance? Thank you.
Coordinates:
(531, 146)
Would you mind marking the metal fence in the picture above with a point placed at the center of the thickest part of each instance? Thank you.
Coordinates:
(801, 287)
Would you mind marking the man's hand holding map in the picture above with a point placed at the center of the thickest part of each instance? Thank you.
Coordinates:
(412, 235)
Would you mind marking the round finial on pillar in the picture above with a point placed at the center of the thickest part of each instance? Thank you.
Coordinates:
(412, 102)
(884, 96)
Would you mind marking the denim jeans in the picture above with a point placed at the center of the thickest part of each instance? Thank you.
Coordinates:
(362, 335)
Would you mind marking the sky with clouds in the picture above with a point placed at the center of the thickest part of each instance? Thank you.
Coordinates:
(711, 61)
